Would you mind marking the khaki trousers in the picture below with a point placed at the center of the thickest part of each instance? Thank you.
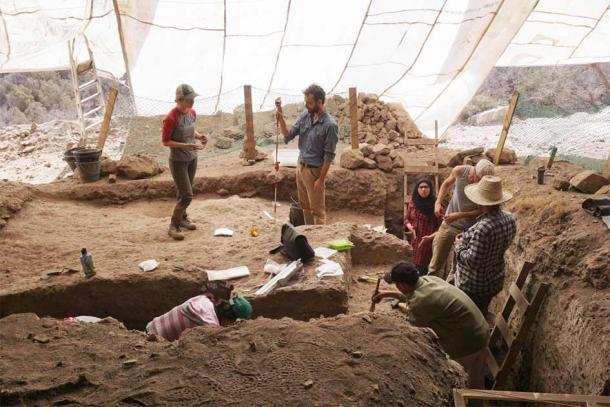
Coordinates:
(312, 202)
(441, 249)
(474, 365)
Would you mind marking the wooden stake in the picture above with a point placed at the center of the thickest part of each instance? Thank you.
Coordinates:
(506, 125)
(607, 169)
(353, 117)
(549, 164)
(372, 309)
(249, 143)
(101, 140)
(435, 155)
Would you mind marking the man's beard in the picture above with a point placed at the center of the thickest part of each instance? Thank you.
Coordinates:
(314, 110)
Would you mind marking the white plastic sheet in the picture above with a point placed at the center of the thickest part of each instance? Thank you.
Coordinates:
(429, 55)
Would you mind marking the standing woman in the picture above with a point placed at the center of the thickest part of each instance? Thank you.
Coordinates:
(183, 140)
(422, 223)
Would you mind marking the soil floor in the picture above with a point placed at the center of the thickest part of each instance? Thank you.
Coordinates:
(126, 223)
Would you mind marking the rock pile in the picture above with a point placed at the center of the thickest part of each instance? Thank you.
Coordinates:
(382, 156)
(378, 122)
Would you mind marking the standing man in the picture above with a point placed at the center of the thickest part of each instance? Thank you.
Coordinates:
(434, 303)
(480, 251)
(183, 140)
(318, 139)
(461, 212)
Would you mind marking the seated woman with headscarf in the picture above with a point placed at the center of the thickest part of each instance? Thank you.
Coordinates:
(422, 223)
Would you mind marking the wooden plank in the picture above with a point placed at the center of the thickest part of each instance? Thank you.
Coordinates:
(508, 118)
(549, 164)
(353, 117)
(519, 298)
(421, 142)
(406, 203)
(519, 282)
(124, 51)
(499, 395)
(458, 398)
(492, 363)
(249, 143)
(504, 329)
(522, 332)
(101, 140)
(420, 169)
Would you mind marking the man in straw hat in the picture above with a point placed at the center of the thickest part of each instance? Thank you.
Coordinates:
(461, 212)
(480, 250)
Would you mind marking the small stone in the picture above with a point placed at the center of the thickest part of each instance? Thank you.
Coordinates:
(393, 135)
(351, 159)
(308, 384)
(561, 185)
(367, 318)
(370, 164)
(381, 149)
(112, 179)
(508, 156)
(357, 354)
(376, 387)
(252, 346)
(384, 163)
(129, 363)
(40, 339)
(367, 150)
(223, 192)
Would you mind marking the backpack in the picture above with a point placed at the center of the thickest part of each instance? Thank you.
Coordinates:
(294, 245)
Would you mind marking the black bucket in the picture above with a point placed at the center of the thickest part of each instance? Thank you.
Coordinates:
(87, 155)
(89, 171)
(70, 158)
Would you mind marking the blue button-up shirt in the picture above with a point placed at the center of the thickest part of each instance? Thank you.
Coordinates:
(317, 142)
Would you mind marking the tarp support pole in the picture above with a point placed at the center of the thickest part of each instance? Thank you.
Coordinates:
(506, 125)
(353, 117)
(124, 50)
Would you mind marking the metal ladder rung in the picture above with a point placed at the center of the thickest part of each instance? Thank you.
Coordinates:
(90, 112)
(94, 124)
(87, 84)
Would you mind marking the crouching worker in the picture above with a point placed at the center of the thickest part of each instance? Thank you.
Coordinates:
(433, 303)
(199, 311)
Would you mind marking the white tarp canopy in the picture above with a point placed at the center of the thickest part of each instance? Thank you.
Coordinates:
(429, 55)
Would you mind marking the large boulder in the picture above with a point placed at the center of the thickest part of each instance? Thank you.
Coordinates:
(371, 247)
(234, 133)
(488, 117)
(137, 167)
(351, 159)
(508, 156)
(458, 158)
(588, 181)
(223, 143)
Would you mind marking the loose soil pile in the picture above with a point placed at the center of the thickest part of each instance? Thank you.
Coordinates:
(347, 360)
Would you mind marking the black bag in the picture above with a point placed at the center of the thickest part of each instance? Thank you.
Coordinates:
(296, 214)
(294, 245)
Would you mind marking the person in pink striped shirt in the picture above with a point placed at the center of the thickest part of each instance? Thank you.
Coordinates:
(197, 311)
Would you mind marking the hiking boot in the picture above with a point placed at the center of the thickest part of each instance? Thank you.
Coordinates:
(175, 232)
(187, 224)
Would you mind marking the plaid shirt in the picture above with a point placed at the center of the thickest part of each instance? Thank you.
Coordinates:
(480, 257)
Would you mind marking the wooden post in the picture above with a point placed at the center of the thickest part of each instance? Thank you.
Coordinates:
(124, 50)
(506, 125)
(101, 140)
(353, 117)
(249, 143)
(549, 164)
(436, 186)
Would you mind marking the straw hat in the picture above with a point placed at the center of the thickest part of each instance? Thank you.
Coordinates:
(488, 191)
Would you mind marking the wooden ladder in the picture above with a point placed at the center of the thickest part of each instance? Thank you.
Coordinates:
(419, 169)
(513, 338)
(87, 88)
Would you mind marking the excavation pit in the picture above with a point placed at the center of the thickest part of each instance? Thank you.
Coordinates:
(47, 234)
